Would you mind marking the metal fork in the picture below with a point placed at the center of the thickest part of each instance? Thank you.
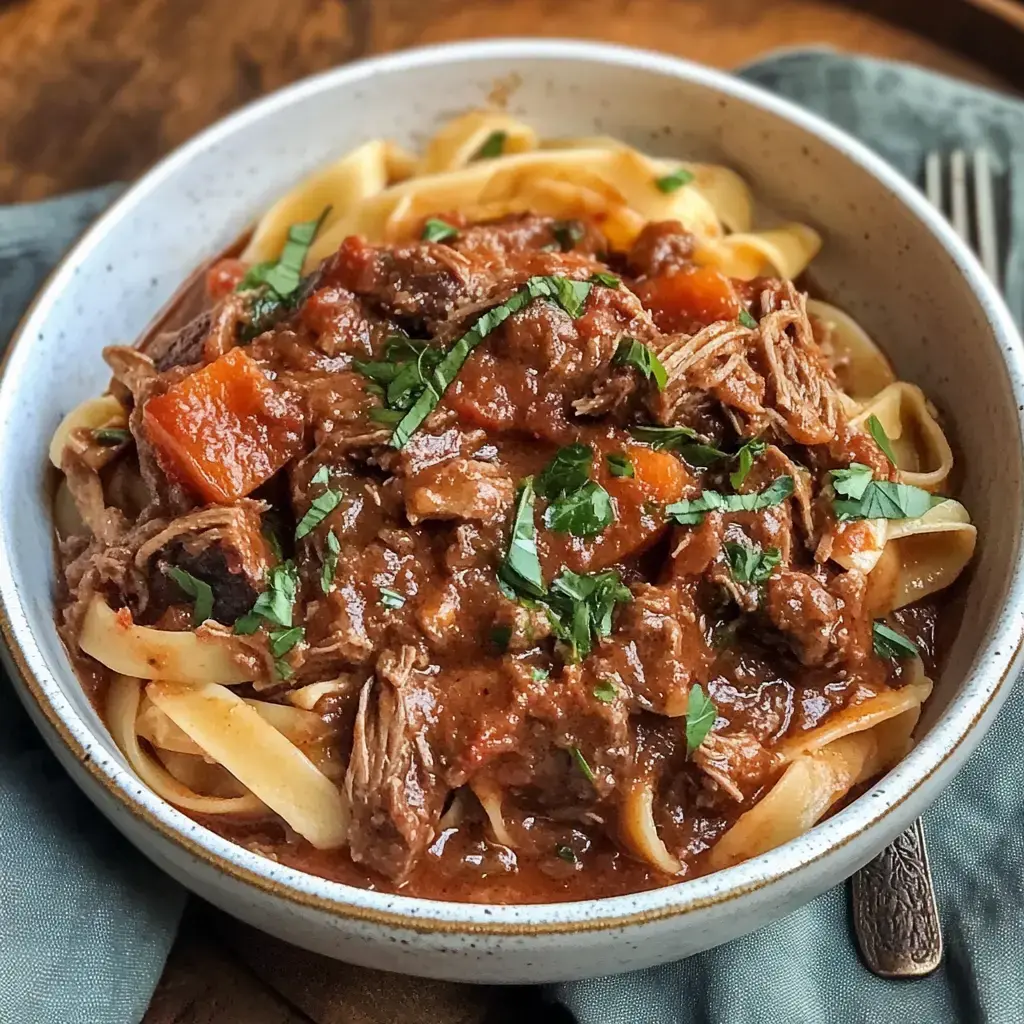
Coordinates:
(895, 914)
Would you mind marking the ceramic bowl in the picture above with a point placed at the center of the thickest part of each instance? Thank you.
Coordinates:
(888, 258)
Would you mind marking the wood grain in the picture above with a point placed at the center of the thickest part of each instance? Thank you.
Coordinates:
(93, 91)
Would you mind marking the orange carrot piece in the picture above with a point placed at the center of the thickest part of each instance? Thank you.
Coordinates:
(678, 299)
(224, 429)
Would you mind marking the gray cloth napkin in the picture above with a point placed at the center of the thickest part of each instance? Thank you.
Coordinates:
(85, 921)
(804, 969)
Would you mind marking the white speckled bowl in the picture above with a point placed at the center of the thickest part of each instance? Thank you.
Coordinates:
(888, 258)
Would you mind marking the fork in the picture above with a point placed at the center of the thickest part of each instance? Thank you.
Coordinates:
(895, 913)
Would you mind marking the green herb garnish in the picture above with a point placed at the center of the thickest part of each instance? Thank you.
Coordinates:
(636, 354)
(111, 437)
(608, 280)
(691, 512)
(881, 437)
(676, 180)
(747, 320)
(437, 230)
(391, 598)
(567, 233)
(321, 478)
(493, 146)
(751, 564)
(753, 449)
(619, 464)
(566, 853)
(568, 471)
(583, 513)
(877, 499)
(283, 640)
(276, 282)
(581, 763)
(539, 675)
(520, 570)
(701, 714)
(199, 590)
(580, 608)
(681, 439)
(605, 691)
(275, 603)
(319, 509)
(570, 295)
(330, 566)
(890, 644)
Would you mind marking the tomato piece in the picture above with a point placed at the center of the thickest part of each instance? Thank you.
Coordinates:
(224, 277)
(224, 429)
(678, 299)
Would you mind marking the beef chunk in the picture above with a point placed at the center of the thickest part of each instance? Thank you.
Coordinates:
(392, 782)
(801, 608)
(662, 246)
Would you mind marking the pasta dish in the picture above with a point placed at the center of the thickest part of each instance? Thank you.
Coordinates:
(506, 523)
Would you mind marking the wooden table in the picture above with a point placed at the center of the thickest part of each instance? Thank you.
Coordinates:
(93, 91)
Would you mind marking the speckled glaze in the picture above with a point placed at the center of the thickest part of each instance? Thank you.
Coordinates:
(888, 259)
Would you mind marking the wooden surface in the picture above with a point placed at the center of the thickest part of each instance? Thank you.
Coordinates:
(93, 91)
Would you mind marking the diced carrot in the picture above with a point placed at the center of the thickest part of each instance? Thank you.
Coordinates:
(659, 479)
(224, 429)
(693, 294)
(657, 476)
(223, 278)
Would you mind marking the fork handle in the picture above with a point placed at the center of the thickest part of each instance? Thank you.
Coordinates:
(895, 916)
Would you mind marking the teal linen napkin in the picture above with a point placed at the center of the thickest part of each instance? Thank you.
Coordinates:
(85, 921)
(804, 969)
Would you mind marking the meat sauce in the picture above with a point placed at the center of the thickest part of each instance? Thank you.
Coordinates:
(496, 701)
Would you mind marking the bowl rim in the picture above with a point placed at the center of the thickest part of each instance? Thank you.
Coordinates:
(955, 734)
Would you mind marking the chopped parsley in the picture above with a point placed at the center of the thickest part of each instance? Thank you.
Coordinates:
(861, 497)
(890, 644)
(881, 437)
(111, 437)
(276, 282)
(636, 354)
(701, 714)
(437, 230)
(322, 476)
(319, 509)
(274, 605)
(283, 640)
(520, 571)
(391, 598)
(199, 590)
(568, 471)
(580, 608)
(400, 376)
(749, 563)
(583, 513)
(570, 295)
(674, 181)
(539, 675)
(751, 450)
(493, 146)
(690, 512)
(605, 691)
(619, 464)
(567, 233)
(681, 439)
(332, 548)
(747, 320)
(581, 763)
(608, 280)
(566, 853)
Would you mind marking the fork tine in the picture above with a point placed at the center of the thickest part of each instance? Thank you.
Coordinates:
(985, 215)
(933, 179)
(958, 191)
